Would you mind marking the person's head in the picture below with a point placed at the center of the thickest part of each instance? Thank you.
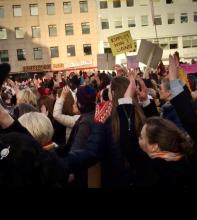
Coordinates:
(103, 80)
(48, 103)
(26, 96)
(161, 135)
(39, 126)
(19, 162)
(69, 107)
(164, 92)
(74, 82)
(117, 90)
(86, 99)
(23, 108)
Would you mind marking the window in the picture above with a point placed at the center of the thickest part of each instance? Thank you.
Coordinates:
(104, 24)
(144, 20)
(35, 31)
(189, 41)
(87, 49)
(67, 7)
(1, 11)
(3, 34)
(118, 23)
(143, 2)
(131, 22)
(21, 54)
(184, 18)
(103, 4)
(37, 53)
(19, 31)
(69, 29)
(50, 8)
(4, 56)
(168, 43)
(71, 51)
(171, 19)
(173, 41)
(83, 6)
(52, 30)
(85, 28)
(17, 11)
(169, 1)
(116, 3)
(33, 9)
(54, 52)
(130, 3)
(157, 20)
(195, 16)
(107, 50)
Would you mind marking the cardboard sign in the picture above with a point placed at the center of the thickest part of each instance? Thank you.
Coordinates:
(132, 62)
(121, 43)
(105, 61)
(150, 54)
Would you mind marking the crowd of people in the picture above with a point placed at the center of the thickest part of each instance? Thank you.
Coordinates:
(100, 130)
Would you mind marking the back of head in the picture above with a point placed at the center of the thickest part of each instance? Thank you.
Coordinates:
(86, 99)
(39, 125)
(19, 162)
(166, 134)
(48, 102)
(105, 80)
(27, 96)
(22, 109)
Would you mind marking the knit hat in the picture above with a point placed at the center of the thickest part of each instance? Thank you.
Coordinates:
(86, 95)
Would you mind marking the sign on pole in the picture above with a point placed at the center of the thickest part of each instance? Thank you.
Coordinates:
(121, 43)
(150, 54)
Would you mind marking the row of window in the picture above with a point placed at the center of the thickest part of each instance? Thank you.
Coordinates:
(118, 23)
(130, 3)
(50, 9)
(38, 52)
(166, 43)
(52, 29)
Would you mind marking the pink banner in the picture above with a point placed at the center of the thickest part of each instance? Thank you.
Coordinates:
(189, 68)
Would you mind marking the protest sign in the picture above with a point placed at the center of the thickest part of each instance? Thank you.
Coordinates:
(121, 43)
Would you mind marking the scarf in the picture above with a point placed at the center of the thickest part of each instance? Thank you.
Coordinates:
(103, 111)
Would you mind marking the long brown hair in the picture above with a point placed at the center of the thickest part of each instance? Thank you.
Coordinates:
(119, 86)
(168, 137)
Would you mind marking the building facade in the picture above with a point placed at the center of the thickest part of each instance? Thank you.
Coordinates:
(42, 35)
(176, 24)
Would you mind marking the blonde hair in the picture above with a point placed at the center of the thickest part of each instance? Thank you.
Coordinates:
(39, 125)
(27, 96)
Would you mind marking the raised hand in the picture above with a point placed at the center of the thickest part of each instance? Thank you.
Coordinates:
(65, 92)
(142, 90)
(131, 90)
(173, 68)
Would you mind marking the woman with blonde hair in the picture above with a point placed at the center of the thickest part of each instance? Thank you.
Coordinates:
(40, 127)
(27, 96)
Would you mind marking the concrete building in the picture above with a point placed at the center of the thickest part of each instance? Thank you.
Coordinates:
(39, 35)
(176, 24)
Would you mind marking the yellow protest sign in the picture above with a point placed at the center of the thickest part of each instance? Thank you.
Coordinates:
(121, 43)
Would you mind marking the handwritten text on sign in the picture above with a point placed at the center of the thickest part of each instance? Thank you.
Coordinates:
(121, 43)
